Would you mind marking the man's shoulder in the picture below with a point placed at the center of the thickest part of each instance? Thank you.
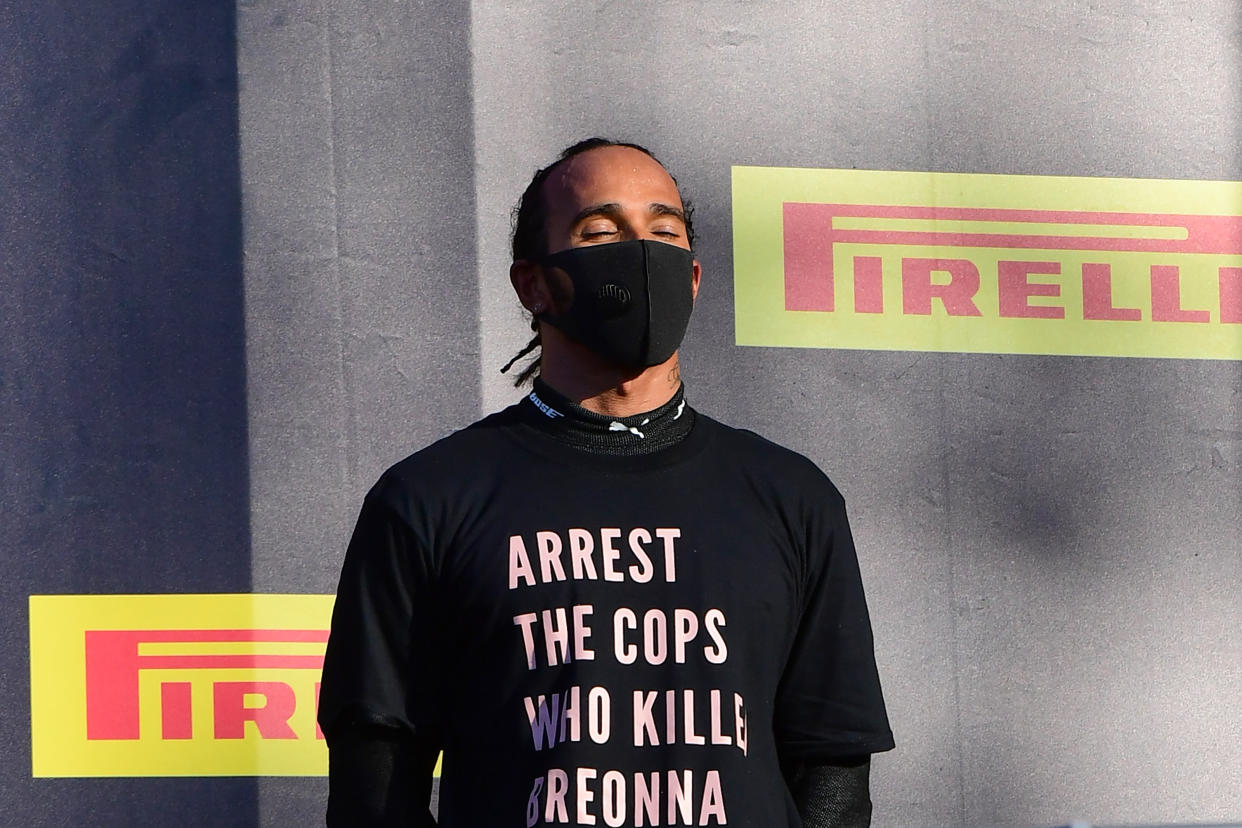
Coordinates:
(455, 455)
(763, 457)
(752, 443)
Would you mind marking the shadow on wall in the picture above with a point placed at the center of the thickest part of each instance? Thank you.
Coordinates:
(122, 396)
(1064, 535)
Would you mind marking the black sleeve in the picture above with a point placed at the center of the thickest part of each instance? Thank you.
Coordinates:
(829, 703)
(379, 777)
(834, 795)
(381, 665)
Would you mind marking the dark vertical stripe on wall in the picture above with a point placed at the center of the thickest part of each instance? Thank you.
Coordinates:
(123, 463)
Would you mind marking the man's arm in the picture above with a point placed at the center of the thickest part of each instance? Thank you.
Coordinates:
(378, 675)
(835, 795)
(830, 714)
(379, 777)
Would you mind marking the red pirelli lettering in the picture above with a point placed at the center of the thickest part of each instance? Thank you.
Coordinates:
(271, 718)
(113, 665)
(176, 712)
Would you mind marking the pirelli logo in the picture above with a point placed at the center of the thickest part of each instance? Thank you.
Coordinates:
(177, 685)
(988, 263)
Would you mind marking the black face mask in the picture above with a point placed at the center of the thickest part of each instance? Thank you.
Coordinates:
(631, 300)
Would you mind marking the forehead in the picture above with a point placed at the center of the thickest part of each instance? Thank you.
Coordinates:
(608, 175)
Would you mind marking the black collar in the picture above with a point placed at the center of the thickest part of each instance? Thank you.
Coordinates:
(551, 412)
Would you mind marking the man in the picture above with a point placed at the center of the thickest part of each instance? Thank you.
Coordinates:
(605, 607)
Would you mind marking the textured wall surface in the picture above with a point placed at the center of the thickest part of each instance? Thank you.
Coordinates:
(361, 300)
(1051, 545)
(361, 310)
(241, 277)
(123, 450)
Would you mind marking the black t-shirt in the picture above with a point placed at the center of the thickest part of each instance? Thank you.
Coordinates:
(606, 640)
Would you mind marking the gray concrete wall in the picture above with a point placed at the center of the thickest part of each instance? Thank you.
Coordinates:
(1051, 545)
(361, 300)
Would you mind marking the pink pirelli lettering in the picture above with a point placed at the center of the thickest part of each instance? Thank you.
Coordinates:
(812, 231)
(868, 284)
(1166, 297)
(957, 295)
(1014, 289)
(808, 259)
(1097, 295)
(1231, 295)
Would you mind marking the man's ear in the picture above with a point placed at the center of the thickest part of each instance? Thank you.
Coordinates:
(694, 281)
(529, 284)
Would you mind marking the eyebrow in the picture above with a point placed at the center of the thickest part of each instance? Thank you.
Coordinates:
(613, 210)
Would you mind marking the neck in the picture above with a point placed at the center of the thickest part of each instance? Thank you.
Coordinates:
(652, 431)
(603, 388)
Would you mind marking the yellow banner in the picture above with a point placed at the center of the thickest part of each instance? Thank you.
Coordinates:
(177, 685)
(1015, 264)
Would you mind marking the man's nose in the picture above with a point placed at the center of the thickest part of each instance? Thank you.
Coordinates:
(632, 232)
